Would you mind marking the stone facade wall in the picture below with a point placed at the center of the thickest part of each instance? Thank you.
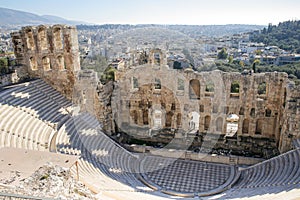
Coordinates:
(50, 53)
(266, 104)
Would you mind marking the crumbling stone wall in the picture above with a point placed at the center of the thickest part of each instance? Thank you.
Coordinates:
(266, 104)
(50, 53)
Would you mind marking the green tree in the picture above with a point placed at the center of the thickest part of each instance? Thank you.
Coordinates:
(230, 59)
(222, 55)
(3, 66)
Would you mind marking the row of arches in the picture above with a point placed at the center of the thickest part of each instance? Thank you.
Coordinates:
(46, 63)
(194, 87)
(231, 126)
(43, 39)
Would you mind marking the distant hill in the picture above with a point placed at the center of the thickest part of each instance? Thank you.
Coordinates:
(15, 17)
(286, 35)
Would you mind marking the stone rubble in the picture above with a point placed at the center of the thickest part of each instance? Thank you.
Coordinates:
(50, 181)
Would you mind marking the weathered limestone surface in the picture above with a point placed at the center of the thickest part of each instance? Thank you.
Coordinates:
(50, 53)
(267, 105)
(159, 104)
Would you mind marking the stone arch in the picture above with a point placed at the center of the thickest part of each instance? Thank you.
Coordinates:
(232, 124)
(252, 112)
(207, 120)
(134, 116)
(135, 83)
(194, 89)
(242, 111)
(157, 84)
(157, 119)
(30, 39)
(169, 117)
(46, 63)
(145, 117)
(42, 38)
(194, 119)
(180, 84)
(57, 38)
(219, 124)
(245, 128)
(156, 57)
(259, 127)
(268, 112)
(33, 63)
(61, 63)
(178, 120)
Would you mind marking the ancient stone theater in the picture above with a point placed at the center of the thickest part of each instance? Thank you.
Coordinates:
(153, 132)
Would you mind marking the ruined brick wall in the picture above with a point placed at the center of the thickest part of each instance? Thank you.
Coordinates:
(290, 125)
(50, 53)
(268, 109)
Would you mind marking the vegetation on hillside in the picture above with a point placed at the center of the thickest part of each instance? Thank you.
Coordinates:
(286, 35)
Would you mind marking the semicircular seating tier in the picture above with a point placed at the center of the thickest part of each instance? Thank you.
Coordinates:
(35, 116)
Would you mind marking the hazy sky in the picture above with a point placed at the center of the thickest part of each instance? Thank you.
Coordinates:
(200, 12)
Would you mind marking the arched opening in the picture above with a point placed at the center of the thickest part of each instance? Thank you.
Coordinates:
(207, 122)
(180, 84)
(245, 128)
(194, 119)
(232, 124)
(194, 89)
(135, 83)
(134, 116)
(157, 58)
(61, 63)
(42, 38)
(268, 113)
(46, 63)
(242, 111)
(219, 124)
(262, 88)
(178, 121)
(252, 112)
(30, 40)
(157, 84)
(169, 119)
(57, 38)
(145, 117)
(259, 125)
(157, 119)
(284, 98)
(33, 63)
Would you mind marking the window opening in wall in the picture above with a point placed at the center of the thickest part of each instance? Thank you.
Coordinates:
(219, 124)
(232, 124)
(207, 122)
(135, 83)
(259, 125)
(245, 128)
(46, 63)
(252, 112)
(157, 84)
(262, 88)
(194, 89)
(180, 84)
(42, 37)
(33, 63)
(235, 87)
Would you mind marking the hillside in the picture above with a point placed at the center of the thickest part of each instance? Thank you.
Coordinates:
(286, 35)
(15, 17)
